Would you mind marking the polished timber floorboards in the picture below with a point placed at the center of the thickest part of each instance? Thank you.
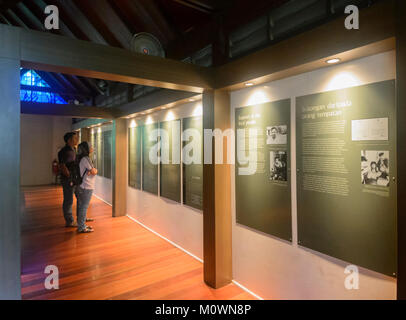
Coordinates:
(120, 260)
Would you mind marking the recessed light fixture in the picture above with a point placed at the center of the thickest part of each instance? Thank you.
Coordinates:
(249, 84)
(191, 100)
(333, 61)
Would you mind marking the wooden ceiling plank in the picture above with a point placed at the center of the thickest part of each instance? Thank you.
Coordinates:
(78, 22)
(114, 23)
(38, 9)
(88, 10)
(196, 6)
(16, 19)
(32, 20)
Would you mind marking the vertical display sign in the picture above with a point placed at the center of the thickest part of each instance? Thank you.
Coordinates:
(99, 152)
(134, 157)
(149, 155)
(170, 160)
(193, 162)
(346, 180)
(262, 174)
(107, 153)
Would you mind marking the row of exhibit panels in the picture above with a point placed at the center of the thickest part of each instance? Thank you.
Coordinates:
(346, 183)
(300, 273)
(346, 173)
(167, 175)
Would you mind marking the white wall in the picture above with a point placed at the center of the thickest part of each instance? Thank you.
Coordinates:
(275, 269)
(181, 224)
(41, 139)
(104, 189)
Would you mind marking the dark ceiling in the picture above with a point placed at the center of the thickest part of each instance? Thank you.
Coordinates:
(182, 26)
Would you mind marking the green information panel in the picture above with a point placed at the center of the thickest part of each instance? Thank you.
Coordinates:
(193, 170)
(99, 153)
(170, 160)
(346, 181)
(134, 157)
(149, 169)
(262, 174)
(107, 153)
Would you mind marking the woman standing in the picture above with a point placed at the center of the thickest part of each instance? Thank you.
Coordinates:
(84, 192)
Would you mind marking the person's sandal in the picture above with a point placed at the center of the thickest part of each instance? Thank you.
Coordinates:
(86, 230)
(71, 225)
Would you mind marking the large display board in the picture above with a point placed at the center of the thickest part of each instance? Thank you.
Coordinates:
(170, 160)
(149, 169)
(263, 195)
(193, 171)
(107, 153)
(134, 157)
(346, 180)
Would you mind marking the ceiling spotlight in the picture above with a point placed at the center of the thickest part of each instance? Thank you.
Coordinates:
(249, 84)
(333, 61)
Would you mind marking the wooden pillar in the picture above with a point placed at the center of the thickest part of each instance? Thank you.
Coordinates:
(401, 144)
(120, 176)
(217, 240)
(10, 284)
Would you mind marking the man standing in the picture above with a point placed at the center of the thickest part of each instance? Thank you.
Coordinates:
(67, 158)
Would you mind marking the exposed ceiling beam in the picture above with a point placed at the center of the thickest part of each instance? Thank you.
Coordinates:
(153, 100)
(78, 22)
(38, 7)
(15, 19)
(112, 21)
(65, 110)
(88, 9)
(48, 52)
(197, 5)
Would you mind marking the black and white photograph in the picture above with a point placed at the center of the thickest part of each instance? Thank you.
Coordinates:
(279, 166)
(375, 168)
(277, 135)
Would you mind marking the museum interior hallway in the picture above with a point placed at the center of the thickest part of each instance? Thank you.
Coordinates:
(120, 260)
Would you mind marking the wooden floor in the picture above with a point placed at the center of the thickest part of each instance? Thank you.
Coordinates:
(120, 260)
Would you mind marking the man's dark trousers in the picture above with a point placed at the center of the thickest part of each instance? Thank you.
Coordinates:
(68, 192)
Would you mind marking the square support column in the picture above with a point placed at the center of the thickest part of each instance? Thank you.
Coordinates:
(120, 176)
(217, 242)
(401, 144)
(10, 268)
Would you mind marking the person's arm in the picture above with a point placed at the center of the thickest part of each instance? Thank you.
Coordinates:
(92, 172)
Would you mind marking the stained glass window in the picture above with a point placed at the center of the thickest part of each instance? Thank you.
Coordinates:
(31, 78)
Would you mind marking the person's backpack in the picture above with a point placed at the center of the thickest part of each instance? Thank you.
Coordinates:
(75, 176)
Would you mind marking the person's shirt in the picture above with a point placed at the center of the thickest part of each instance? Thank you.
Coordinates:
(88, 181)
(67, 155)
